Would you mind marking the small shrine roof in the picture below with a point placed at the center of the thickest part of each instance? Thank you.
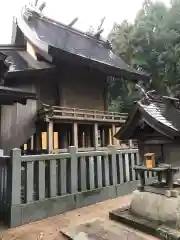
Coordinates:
(160, 113)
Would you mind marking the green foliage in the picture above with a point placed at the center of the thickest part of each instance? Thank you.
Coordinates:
(152, 44)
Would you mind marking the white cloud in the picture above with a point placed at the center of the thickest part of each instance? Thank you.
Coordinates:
(89, 13)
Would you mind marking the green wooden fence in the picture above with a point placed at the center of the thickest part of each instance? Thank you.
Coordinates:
(34, 187)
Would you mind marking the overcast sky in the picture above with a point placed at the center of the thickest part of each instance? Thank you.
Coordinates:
(90, 12)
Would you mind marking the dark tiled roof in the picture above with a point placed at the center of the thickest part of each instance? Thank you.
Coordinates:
(163, 112)
(59, 36)
(161, 115)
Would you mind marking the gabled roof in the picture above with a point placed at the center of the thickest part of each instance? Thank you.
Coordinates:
(51, 38)
(162, 115)
(18, 59)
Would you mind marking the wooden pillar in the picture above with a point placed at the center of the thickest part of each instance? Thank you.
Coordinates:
(61, 137)
(32, 142)
(79, 136)
(75, 134)
(110, 137)
(87, 131)
(38, 137)
(106, 133)
(50, 136)
(86, 135)
(66, 138)
(69, 135)
(118, 141)
(114, 140)
(96, 135)
(102, 136)
(91, 135)
(130, 144)
(83, 139)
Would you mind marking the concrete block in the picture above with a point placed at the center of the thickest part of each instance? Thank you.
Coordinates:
(168, 193)
(140, 188)
(178, 181)
(126, 188)
(49, 207)
(174, 193)
(15, 216)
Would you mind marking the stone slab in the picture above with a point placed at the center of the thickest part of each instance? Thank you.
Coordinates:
(124, 216)
(100, 229)
(153, 228)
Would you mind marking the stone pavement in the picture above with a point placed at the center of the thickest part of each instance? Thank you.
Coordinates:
(49, 229)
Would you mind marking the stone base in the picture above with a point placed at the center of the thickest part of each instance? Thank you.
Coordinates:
(158, 215)
(156, 207)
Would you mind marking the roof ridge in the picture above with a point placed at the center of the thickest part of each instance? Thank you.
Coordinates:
(35, 13)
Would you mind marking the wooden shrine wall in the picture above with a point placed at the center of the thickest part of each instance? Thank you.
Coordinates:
(71, 87)
(83, 88)
(17, 122)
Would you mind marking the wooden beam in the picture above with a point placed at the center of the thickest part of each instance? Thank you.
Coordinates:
(156, 142)
(98, 33)
(73, 22)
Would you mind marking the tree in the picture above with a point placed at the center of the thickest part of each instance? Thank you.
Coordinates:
(152, 44)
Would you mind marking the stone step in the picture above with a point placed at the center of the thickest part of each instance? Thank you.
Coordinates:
(103, 229)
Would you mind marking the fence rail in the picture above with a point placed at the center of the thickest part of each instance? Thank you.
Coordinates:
(27, 180)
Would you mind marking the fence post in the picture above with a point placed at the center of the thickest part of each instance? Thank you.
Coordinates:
(114, 164)
(73, 169)
(14, 177)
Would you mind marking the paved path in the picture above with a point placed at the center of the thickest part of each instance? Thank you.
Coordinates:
(49, 229)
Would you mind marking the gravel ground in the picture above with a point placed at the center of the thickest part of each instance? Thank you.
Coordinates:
(49, 229)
